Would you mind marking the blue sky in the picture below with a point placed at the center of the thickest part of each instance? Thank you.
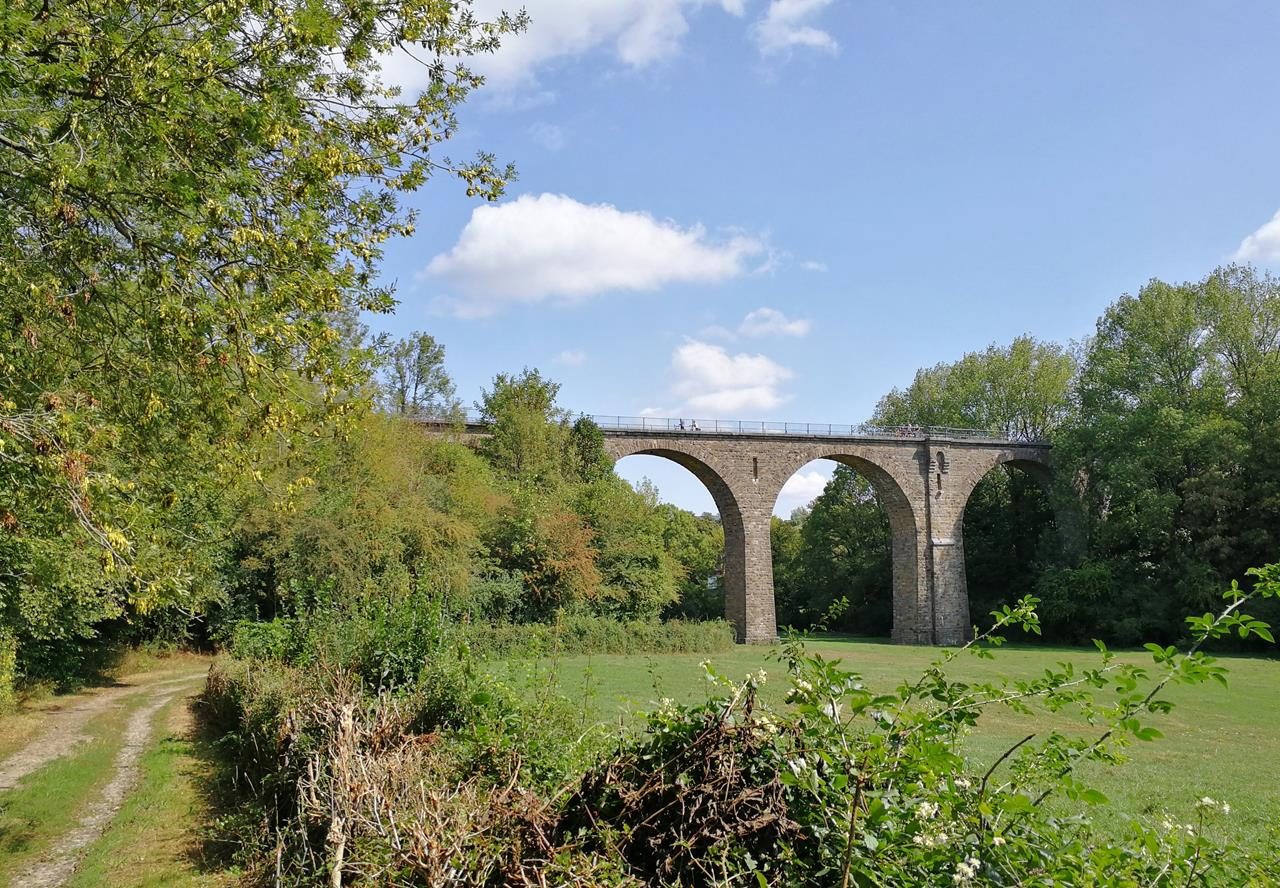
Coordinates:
(780, 209)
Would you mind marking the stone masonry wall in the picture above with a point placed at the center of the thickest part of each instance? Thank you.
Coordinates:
(923, 486)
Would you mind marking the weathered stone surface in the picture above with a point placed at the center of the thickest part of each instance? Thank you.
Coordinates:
(923, 484)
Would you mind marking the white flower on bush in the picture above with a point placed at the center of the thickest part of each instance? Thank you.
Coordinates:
(926, 811)
(798, 765)
(831, 710)
(766, 724)
(997, 841)
(758, 677)
(963, 783)
(966, 870)
(800, 688)
(925, 840)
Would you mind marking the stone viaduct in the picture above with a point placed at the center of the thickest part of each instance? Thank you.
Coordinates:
(922, 477)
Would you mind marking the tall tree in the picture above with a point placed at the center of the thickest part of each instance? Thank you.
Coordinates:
(414, 381)
(1173, 448)
(1022, 391)
(195, 198)
(840, 549)
(528, 432)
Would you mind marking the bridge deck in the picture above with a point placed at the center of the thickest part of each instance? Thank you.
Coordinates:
(651, 425)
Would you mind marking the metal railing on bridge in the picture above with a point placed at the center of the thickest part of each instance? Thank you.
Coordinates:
(670, 425)
(795, 429)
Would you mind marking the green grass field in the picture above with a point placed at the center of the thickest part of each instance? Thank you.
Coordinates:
(1220, 742)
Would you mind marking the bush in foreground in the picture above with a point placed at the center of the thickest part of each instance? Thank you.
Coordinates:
(456, 782)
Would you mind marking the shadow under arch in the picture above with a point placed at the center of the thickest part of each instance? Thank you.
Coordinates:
(1039, 469)
(735, 561)
(1064, 528)
(905, 546)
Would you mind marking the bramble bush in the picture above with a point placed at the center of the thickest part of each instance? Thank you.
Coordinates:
(848, 786)
(455, 780)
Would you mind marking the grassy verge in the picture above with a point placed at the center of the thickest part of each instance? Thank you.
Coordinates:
(1216, 739)
(49, 802)
(17, 728)
(154, 841)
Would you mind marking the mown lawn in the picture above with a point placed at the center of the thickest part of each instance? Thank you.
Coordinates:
(1219, 742)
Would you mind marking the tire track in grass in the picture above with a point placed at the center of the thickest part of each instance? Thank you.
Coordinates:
(67, 730)
(54, 868)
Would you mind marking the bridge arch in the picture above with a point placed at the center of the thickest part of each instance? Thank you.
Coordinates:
(952, 477)
(904, 526)
(737, 561)
(715, 484)
(1033, 463)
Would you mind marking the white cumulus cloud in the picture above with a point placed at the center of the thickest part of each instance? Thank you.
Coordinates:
(1263, 245)
(787, 24)
(551, 246)
(771, 322)
(636, 33)
(712, 381)
(801, 489)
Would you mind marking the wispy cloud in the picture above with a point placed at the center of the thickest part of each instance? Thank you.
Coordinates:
(771, 322)
(634, 33)
(712, 381)
(573, 357)
(548, 135)
(787, 25)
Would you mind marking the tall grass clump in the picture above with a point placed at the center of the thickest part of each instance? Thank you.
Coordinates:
(587, 634)
(8, 671)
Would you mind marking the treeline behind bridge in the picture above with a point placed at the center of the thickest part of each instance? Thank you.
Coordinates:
(1164, 427)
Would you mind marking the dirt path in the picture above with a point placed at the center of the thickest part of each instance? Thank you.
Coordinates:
(66, 731)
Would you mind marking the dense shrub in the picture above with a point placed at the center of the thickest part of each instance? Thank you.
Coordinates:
(496, 597)
(275, 640)
(433, 784)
